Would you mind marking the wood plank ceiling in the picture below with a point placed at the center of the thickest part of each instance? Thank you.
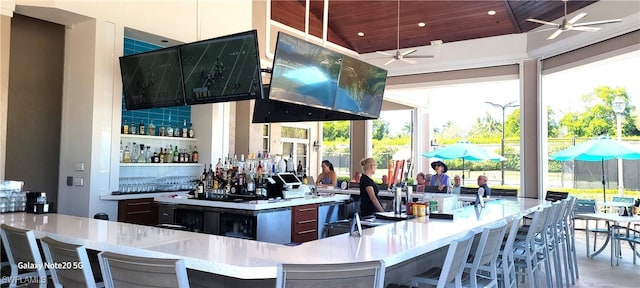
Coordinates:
(448, 21)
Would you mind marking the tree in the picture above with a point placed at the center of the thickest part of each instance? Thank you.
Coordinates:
(451, 131)
(512, 124)
(407, 128)
(485, 127)
(332, 130)
(552, 125)
(380, 129)
(599, 117)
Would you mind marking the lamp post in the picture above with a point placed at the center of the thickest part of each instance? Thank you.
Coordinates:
(618, 104)
(503, 107)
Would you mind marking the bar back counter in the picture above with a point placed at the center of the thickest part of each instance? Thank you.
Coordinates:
(406, 247)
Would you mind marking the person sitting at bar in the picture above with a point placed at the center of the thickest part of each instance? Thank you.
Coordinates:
(369, 202)
(356, 177)
(483, 188)
(328, 177)
(457, 186)
(421, 181)
(440, 179)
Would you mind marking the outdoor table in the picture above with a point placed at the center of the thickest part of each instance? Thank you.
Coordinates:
(608, 217)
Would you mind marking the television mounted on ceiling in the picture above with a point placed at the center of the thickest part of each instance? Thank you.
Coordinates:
(304, 73)
(222, 69)
(152, 79)
(360, 88)
(319, 84)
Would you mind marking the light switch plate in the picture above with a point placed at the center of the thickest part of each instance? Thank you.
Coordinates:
(79, 166)
(78, 181)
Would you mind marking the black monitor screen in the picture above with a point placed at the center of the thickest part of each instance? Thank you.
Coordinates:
(360, 88)
(434, 189)
(222, 69)
(304, 73)
(152, 79)
(289, 178)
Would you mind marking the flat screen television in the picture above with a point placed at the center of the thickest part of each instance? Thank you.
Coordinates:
(360, 88)
(222, 69)
(152, 79)
(304, 73)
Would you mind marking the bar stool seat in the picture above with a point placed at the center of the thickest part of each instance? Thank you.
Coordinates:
(125, 271)
(21, 247)
(453, 267)
(76, 272)
(360, 274)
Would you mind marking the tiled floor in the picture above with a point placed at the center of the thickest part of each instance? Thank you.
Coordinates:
(598, 272)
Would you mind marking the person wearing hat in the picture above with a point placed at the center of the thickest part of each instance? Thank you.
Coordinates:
(440, 179)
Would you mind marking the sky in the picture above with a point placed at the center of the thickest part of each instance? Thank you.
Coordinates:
(464, 103)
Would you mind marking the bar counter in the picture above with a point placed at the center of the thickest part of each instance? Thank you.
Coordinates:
(395, 243)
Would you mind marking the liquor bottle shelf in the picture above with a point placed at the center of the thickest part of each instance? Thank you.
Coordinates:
(161, 164)
(132, 136)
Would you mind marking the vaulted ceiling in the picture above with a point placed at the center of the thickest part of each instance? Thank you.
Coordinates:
(448, 21)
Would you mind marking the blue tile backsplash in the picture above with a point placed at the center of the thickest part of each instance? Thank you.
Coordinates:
(174, 116)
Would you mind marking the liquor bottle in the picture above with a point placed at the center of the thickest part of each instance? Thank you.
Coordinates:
(219, 165)
(121, 153)
(133, 129)
(259, 172)
(209, 177)
(176, 156)
(125, 127)
(127, 155)
(155, 158)
(251, 184)
(168, 154)
(185, 130)
(152, 129)
(169, 130)
(141, 128)
(142, 158)
(199, 189)
(149, 155)
(134, 153)
(299, 168)
(177, 131)
(194, 155)
(161, 156)
(163, 131)
(192, 133)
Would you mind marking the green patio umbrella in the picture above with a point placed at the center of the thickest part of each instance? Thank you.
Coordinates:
(598, 149)
(464, 150)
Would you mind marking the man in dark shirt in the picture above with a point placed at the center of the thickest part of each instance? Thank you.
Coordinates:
(483, 187)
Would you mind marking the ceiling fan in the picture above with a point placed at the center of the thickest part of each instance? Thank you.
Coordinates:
(402, 56)
(572, 23)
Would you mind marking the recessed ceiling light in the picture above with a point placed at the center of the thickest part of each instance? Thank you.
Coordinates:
(492, 12)
(360, 34)
(422, 24)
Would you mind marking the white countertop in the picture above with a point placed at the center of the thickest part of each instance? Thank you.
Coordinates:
(353, 191)
(252, 205)
(128, 196)
(248, 259)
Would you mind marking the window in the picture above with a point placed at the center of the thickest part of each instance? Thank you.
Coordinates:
(295, 146)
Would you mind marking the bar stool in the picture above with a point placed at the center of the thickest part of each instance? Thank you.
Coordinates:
(529, 255)
(360, 274)
(506, 265)
(69, 276)
(125, 271)
(21, 247)
(483, 268)
(453, 267)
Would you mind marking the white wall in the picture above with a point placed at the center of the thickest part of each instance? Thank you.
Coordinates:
(92, 97)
